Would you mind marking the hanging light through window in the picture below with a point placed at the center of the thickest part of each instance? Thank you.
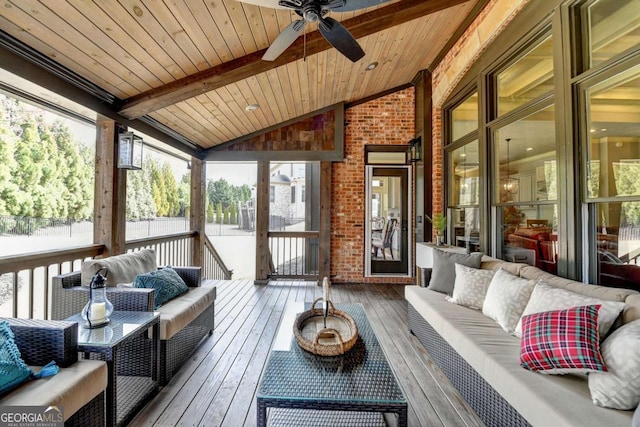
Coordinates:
(509, 185)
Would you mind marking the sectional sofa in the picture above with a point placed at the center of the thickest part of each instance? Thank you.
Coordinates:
(482, 360)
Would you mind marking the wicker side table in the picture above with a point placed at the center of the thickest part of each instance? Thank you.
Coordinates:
(132, 358)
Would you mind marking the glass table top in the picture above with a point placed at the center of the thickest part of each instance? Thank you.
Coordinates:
(123, 324)
(360, 375)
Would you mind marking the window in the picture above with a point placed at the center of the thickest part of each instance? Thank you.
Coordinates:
(464, 167)
(613, 27)
(272, 194)
(526, 189)
(464, 117)
(613, 173)
(527, 79)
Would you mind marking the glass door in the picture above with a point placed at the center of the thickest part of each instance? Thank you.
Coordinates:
(387, 221)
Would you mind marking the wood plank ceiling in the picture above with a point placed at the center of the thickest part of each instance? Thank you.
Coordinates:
(194, 65)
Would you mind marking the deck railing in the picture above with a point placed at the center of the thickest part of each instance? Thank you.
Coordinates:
(294, 255)
(25, 280)
(214, 267)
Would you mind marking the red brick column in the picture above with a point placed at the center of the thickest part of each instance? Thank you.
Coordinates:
(386, 120)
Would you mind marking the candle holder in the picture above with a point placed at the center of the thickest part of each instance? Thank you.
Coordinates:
(97, 311)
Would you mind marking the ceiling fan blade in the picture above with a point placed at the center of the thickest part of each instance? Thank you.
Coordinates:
(351, 5)
(284, 40)
(340, 38)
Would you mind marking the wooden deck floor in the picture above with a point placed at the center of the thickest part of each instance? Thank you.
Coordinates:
(217, 386)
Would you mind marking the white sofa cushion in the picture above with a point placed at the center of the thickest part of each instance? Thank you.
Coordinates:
(506, 299)
(121, 268)
(470, 286)
(619, 387)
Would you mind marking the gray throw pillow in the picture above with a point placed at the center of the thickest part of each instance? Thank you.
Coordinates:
(443, 274)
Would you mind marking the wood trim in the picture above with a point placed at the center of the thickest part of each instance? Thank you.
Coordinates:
(263, 254)
(17, 263)
(252, 64)
(217, 153)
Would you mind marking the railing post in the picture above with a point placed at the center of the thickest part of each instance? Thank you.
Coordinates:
(263, 255)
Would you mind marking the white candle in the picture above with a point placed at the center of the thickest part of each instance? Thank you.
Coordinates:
(98, 311)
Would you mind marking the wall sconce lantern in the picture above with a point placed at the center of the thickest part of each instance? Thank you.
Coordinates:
(130, 151)
(415, 149)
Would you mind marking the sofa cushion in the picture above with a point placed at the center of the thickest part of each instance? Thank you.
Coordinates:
(543, 400)
(506, 299)
(121, 268)
(71, 388)
(443, 273)
(545, 297)
(619, 388)
(470, 286)
(562, 341)
(166, 284)
(13, 370)
(179, 312)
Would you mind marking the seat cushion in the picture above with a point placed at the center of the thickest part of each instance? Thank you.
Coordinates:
(71, 388)
(179, 312)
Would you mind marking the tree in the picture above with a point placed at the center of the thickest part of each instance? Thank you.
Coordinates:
(171, 191)
(220, 192)
(9, 194)
(209, 211)
(219, 213)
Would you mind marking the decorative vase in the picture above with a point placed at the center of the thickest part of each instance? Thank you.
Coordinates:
(98, 309)
(440, 239)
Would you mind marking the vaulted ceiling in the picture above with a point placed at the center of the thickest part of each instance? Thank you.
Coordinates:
(193, 66)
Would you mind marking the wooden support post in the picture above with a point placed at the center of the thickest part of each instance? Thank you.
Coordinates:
(324, 252)
(197, 208)
(263, 254)
(110, 190)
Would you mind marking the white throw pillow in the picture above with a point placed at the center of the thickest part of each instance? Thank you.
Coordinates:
(470, 286)
(619, 387)
(506, 299)
(547, 298)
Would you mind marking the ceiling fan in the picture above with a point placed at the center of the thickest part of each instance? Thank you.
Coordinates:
(314, 11)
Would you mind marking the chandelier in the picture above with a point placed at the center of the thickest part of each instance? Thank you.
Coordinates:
(509, 185)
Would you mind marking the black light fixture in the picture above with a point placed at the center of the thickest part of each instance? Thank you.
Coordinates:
(509, 185)
(130, 151)
(415, 149)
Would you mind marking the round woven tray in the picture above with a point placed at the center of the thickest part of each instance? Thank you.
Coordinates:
(337, 338)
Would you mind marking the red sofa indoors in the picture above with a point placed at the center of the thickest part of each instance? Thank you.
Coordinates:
(541, 241)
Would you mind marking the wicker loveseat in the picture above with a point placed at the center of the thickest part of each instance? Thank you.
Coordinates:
(78, 388)
(184, 321)
(482, 361)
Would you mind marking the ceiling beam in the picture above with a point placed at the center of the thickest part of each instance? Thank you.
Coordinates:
(252, 64)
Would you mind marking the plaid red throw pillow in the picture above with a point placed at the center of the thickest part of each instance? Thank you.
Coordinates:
(562, 341)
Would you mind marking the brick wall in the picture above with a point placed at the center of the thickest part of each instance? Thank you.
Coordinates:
(386, 120)
(495, 16)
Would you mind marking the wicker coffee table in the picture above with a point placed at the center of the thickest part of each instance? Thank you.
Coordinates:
(357, 388)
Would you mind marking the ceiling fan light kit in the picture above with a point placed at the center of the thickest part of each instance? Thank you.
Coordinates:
(314, 11)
